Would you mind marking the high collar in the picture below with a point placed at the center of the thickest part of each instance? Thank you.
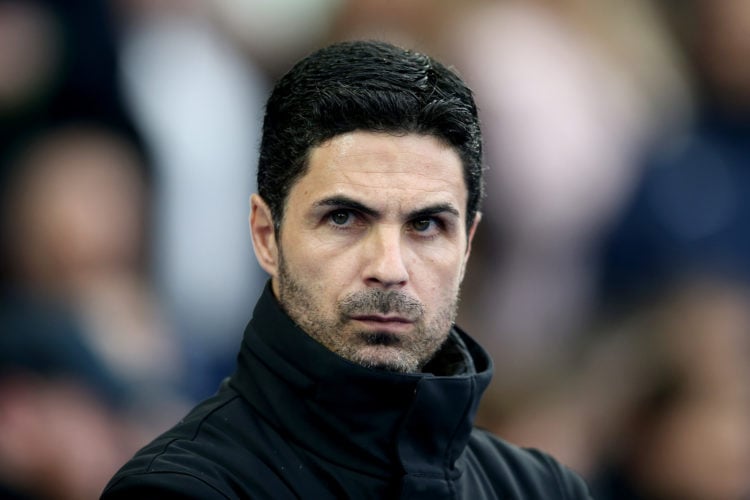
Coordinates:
(371, 420)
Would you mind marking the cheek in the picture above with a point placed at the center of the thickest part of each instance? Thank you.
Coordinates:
(327, 272)
(437, 278)
(441, 264)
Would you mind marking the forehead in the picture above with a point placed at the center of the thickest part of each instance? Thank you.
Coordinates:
(385, 167)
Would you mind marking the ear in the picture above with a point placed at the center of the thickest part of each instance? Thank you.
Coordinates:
(264, 235)
(472, 230)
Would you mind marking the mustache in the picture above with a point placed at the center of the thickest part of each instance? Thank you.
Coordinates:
(383, 302)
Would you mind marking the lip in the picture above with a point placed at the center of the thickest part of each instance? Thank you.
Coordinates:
(388, 323)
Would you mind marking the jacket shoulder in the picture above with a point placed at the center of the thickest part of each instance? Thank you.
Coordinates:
(153, 485)
(525, 472)
(217, 451)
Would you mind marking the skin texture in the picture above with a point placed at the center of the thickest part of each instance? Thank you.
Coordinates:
(372, 247)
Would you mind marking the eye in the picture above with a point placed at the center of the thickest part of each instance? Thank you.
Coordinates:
(427, 227)
(340, 217)
(422, 225)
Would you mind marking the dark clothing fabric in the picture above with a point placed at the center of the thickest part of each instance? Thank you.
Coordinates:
(298, 421)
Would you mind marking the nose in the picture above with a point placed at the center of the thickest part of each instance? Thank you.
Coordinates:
(385, 265)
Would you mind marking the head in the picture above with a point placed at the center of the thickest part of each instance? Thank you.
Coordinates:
(370, 86)
(73, 207)
(369, 179)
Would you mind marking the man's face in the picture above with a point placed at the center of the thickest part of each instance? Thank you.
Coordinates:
(372, 247)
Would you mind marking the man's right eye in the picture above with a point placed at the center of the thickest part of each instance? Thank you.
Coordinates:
(340, 217)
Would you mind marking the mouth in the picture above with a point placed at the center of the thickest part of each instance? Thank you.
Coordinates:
(393, 324)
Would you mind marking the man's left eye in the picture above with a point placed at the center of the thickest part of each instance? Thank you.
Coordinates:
(422, 225)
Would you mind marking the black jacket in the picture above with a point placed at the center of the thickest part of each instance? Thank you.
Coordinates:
(297, 421)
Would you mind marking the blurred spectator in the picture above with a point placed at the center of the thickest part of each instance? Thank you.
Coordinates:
(690, 212)
(75, 178)
(62, 431)
(30, 55)
(685, 433)
(199, 104)
(58, 63)
(73, 215)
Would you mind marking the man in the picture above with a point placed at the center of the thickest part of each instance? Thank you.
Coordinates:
(352, 381)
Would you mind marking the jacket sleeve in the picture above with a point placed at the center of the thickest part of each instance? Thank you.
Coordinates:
(160, 485)
(570, 484)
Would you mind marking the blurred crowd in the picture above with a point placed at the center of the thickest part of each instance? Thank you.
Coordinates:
(610, 278)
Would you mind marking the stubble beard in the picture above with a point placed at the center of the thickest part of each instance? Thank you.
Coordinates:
(402, 353)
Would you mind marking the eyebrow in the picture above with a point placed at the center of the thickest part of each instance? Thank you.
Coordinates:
(438, 208)
(346, 202)
(351, 204)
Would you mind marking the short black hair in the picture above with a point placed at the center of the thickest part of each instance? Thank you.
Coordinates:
(370, 86)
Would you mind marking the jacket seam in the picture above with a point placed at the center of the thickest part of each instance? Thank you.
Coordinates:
(557, 474)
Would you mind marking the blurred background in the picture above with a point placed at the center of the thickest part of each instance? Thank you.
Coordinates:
(610, 278)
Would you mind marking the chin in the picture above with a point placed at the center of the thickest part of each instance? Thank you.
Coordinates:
(386, 358)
